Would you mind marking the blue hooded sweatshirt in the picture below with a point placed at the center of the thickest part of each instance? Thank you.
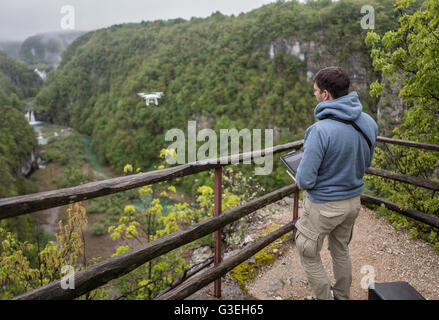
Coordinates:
(336, 156)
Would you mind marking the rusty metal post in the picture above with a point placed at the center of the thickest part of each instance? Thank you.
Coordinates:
(217, 234)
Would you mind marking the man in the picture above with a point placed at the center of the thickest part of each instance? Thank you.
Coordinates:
(336, 156)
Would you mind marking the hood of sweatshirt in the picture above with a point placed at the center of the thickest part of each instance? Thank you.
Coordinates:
(347, 107)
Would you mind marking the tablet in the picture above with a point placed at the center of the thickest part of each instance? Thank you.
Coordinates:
(292, 160)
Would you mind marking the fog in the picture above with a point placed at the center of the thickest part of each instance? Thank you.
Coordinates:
(24, 18)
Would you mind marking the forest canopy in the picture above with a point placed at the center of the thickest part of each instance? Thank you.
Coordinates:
(216, 70)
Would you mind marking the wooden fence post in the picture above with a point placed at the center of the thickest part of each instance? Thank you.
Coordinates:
(217, 234)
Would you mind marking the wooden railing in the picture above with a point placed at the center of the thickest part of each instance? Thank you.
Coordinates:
(112, 268)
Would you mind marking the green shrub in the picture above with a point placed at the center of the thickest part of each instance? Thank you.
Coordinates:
(98, 229)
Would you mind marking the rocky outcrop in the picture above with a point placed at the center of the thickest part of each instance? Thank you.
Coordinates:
(389, 109)
(316, 56)
(200, 255)
(30, 165)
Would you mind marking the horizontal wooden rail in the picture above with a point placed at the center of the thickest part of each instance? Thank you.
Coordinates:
(15, 206)
(187, 275)
(193, 285)
(413, 144)
(428, 184)
(102, 272)
(410, 213)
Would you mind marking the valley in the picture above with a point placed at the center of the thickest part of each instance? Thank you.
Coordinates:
(79, 107)
(48, 176)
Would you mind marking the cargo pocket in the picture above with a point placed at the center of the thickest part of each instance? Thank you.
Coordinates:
(306, 242)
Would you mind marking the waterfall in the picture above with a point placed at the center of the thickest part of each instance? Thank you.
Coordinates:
(30, 116)
(37, 125)
(42, 74)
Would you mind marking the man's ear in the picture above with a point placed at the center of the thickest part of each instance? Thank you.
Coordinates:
(328, 95)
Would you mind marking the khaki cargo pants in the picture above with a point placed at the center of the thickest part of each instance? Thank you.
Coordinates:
(334, 219)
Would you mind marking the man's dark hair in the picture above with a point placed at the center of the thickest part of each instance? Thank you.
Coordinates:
(334, 79)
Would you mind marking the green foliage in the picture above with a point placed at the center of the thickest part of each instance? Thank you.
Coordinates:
(17, 142)
(17, 137)
(17, 77)
(68, 152)
(20, 273)
(73, 177)
(138, 226)
(411, 54)
(145, 226)
(150, 224)
(15, 269)
(17, 145)
(111, 207)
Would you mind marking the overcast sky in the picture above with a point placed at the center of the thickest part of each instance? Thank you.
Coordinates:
(20, 19)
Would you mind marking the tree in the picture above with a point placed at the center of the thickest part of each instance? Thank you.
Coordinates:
(137, 226)
(411, 53)
(17, 272)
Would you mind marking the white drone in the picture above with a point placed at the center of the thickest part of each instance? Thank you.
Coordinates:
(151, 96)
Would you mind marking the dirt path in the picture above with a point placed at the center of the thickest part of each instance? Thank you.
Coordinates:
(375, 244)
